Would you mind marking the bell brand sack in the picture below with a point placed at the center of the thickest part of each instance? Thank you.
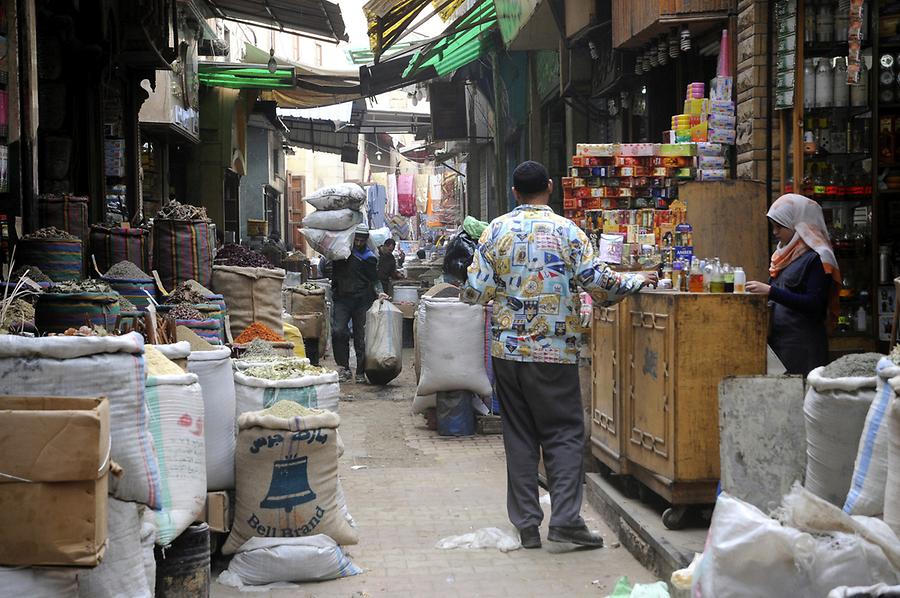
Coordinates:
(213, 370)
(316, 392)
(451, 346)
(176, 421)
(333, 220)
(110, 366)
(251, 295)
(287, 476)
(338, 197)
(866, 496)
(182, 250)
(384, 342)
(835, 411)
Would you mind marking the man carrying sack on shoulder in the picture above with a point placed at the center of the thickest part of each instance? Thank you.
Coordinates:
(530, 263)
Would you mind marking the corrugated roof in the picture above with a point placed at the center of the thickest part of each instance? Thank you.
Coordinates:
(319, 18)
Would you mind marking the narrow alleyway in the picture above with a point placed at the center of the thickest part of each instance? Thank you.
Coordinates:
(412, 487)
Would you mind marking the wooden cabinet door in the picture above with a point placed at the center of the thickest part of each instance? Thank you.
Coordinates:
(296, 211)
(650, 340)
(606, 408)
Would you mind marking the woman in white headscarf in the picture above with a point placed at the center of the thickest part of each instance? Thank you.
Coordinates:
(804, 286)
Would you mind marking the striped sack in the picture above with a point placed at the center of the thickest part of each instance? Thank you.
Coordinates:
(60, 260)
(209, 330)
(109, 246)
(57, 312)
(133, 289)
(183, 250)
(66, 212)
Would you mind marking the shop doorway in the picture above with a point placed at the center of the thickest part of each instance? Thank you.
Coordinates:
(232, 206)
(296, 211)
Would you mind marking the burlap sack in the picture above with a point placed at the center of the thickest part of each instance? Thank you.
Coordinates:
(299, 302)
(287, 478)
(251, 295)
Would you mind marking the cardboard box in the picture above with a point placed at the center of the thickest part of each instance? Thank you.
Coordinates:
(218, 513)
(59, 448)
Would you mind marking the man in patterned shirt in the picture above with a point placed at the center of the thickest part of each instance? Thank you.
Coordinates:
(530, 263)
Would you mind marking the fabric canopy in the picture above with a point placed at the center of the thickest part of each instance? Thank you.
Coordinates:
(389, 19)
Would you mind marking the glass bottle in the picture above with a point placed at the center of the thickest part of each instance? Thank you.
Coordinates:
(717, 283)
(825, 22)
(842, 22)
(696, 278)
(841, 91)
(728, 274)
(708, 273)
(809, 83)
(859, 93)
(824, 83)
(809, 21)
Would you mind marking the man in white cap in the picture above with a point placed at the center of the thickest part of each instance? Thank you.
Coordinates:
(355, 286)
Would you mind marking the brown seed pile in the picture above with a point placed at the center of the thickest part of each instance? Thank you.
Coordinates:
(185, 294)
(34, 273)
(238, 255)
(175, 210)
(51, 233)
(184, 312)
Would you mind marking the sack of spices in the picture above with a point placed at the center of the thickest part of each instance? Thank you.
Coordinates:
(182, 250)
(111, 245)
(384, 342)
(213, 370)
(835, 411)
(58, 254)
(127, 279)
(251, 295)
(122, 572)
(866, 496)
(110, 366)
(451, 346)
(65, 212)
(261, 386)
(177, 353)
(286, 463)
(175, 402)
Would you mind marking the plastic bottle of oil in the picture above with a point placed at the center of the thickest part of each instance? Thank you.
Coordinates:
(695, 283)
(740, 280)
(717, 283)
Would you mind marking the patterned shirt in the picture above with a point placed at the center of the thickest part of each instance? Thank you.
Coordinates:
(530, 263)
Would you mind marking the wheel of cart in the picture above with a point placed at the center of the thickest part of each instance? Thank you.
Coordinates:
(674, 517)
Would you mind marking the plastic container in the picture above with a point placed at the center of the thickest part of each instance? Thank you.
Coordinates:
(454, 414)
(740, 280)
(406, 294)
(183, 567)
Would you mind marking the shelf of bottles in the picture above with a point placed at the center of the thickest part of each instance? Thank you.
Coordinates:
(835, 122)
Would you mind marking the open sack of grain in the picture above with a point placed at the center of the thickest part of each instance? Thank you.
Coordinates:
(261, 386)
(287, 476)
(213, 371)
(111, 366)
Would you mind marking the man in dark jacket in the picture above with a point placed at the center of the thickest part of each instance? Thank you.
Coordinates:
(355, 285)
(387, 266)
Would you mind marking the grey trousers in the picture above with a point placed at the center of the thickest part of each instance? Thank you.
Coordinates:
(540, 404)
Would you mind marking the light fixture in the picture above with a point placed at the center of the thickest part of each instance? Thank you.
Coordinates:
(674, 49)
(272, 64)
(685, 39)
(662, 47)
(378, 155)
(638, 64)
(654, 59)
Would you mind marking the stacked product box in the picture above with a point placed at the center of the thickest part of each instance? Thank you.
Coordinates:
(709, 122)
(625, 177)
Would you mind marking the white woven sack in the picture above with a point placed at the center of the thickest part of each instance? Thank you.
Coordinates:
(286, 479)
(451, 341)
(337, 197)
(176, 421)
(333, 220)
(110, 366)
(422, 404)
(317, 392)
(866, 495)
(213, 370)
(384, 342)
(122, 572)
(148, 541)
(377, 237)
(892, 487)
(335, 245)
(242, 364)
(262, 561)
(40, 582)
(835, 411)
(176, 352)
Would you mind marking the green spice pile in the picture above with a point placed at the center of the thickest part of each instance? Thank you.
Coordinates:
(288, 409)
(126, 305)
(260, 350)
(18, 312)
(184, 294)
(853, 365)
(309, 288)
(284, 371)
(175, 210)
(89, 285)
(34, 273)
(51, 233)
(184, 312)
(126, 270)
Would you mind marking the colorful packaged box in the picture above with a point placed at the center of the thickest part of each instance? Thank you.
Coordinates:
(700, 133)
(627, 161)
(722, 88)
(597, 149)
(678, 149)
(711, 162)
(570, 204)
(684, 173)
(715, 174)
(710, 149)
(682, 136)
(722, 121)
(721, 107)
(696, 107)
(578, 160)
(696, 90)
(726, 136)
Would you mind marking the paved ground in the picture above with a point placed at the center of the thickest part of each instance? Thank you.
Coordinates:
(414, 488)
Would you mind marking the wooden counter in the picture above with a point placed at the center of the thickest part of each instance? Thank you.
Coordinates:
(658, 358)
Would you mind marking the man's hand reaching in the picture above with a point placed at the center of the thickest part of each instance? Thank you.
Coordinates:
(651, 279)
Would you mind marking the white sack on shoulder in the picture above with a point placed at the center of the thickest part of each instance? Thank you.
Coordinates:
(337, 197)
(336, 220)
(451, 341)
(335, 245)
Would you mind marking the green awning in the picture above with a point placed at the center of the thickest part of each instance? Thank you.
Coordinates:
(389, 19)
(245, 76)
(464, 41)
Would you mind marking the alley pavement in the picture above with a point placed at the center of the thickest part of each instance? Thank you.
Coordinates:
(408, 488)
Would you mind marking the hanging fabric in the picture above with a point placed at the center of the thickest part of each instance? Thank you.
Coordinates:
(376, 200)
(392, 206)
(422, 181)
(406, 195)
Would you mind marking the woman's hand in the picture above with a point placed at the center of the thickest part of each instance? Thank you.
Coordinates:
(758, 288)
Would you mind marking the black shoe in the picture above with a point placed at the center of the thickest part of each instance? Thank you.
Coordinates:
(581, 536)
(531, 537)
